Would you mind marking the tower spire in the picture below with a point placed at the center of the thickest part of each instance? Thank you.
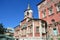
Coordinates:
(28, 12)
(28, 6)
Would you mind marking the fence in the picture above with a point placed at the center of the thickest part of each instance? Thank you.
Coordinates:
(32, 39)
(58, 38)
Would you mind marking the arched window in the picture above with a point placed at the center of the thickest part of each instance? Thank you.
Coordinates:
(27, 13)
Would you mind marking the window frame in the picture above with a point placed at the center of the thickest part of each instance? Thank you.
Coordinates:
(50, 10)
(44, 13)
(57, 8)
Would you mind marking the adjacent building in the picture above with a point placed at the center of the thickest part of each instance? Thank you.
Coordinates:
(49, 10)
(9, 32)
(30, 28)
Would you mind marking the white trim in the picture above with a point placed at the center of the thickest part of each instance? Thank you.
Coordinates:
(39, 14)
(39, 11)
(33, 28)
(27, 32)
(43, 30)
(32, 38)
(40, 29)
(57, 8)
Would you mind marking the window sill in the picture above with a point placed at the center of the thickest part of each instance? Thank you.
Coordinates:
(37, 32)
(58, 12)
(51, 14)
(44, 17)
(29, 33)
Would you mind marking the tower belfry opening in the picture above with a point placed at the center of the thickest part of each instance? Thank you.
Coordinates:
(28, 12)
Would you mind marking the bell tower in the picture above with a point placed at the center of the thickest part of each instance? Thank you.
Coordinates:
(28, 12)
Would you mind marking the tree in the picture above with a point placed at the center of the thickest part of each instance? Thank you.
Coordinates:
(2, 29)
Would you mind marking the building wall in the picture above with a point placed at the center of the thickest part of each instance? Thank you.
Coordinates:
(32, 32)
(36, 24)
(48, 17)
(44, 8)
(16, 32)
(29, 28)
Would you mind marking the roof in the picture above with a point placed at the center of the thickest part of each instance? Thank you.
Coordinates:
(17, 26)
(25, 19)
(33, 19)
(40, 2)
(28, 8)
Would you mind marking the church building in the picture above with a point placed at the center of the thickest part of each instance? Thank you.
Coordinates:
(30, 28)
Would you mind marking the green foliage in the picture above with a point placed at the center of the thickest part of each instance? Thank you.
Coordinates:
(58, 38)
(51, 38)
(2, 29)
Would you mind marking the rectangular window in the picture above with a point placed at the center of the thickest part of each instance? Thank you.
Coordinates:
(58, 7)
(50, 11)
(43, 27)
(44, 14)
(31, 29)
(37, 29)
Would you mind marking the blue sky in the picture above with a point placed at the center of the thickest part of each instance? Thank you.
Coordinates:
(12, 11)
